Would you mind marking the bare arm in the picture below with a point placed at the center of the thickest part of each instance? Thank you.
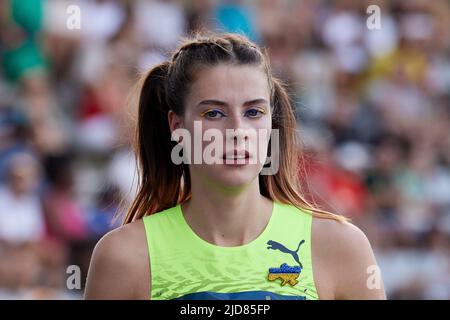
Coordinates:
(357, 273)
(348, 262)
(119, 266)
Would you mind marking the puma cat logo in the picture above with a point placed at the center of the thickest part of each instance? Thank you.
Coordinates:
(278, 246)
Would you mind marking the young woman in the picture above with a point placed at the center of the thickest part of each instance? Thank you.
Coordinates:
(212, 230)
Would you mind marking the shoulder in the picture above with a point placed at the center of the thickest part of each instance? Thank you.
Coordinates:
(346, 251)
(118, 263)
(339, 235)
(122, 242)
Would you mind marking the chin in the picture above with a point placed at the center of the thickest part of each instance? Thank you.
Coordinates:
(234, 176)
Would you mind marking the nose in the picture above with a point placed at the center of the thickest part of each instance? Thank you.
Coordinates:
(237, 129)
(239, 135)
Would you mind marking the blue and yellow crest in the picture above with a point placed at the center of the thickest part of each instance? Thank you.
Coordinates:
(288, 274)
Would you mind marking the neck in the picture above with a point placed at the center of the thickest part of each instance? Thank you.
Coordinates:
(227, 218)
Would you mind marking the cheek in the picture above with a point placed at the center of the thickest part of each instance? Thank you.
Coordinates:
(266, 122)
(263, 129)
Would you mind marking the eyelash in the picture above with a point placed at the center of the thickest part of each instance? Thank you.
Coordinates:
(204, 113)
(258, 110)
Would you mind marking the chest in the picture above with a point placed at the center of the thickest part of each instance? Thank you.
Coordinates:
(265, 271)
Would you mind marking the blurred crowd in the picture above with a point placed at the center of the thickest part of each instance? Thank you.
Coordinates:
(373, 110)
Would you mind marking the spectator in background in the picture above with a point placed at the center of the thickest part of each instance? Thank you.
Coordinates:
(65, 217)
(20, 27)
(199, 15)
(233, 16)
(26, 259)
(21, 217)
(101, 218)
(67, 220)
(25, 66)
(14, 136)
(159, 24)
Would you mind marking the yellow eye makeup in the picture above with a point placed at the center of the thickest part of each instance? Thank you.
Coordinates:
(209, 111)
(256, 112)
(205, 112)
(263, 111)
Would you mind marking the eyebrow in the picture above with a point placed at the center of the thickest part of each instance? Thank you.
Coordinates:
(223, 103)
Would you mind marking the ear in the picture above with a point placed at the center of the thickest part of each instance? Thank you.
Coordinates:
(175, 121)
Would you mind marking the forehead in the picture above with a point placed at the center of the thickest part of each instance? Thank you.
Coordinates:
(233, 84)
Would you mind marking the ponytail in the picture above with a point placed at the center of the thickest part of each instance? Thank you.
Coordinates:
(159, 178)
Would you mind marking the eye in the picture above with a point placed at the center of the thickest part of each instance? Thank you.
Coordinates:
(254, 112)
(213, 114)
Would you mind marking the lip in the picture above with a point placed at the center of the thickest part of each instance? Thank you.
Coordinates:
(236, 158)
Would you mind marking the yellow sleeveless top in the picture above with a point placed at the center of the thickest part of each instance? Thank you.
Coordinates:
(275, 265)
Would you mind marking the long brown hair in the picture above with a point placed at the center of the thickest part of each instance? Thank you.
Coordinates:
(163, 184)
